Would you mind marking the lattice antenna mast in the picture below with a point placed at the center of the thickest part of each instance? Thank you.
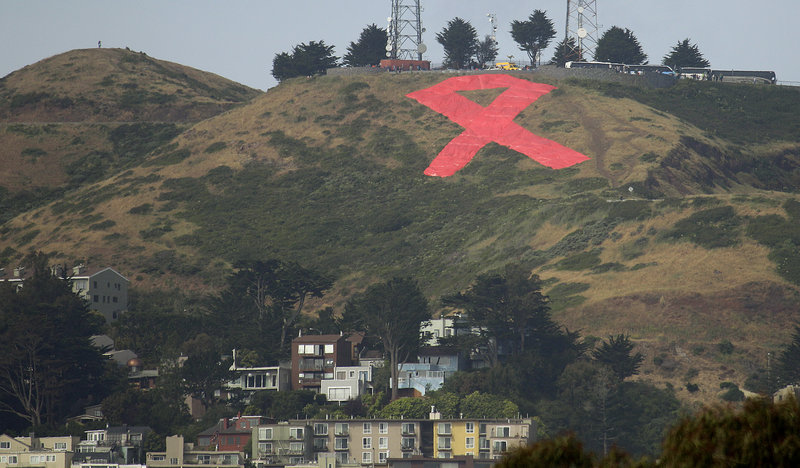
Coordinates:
(582, 25)
(493, 21)
(405, 31)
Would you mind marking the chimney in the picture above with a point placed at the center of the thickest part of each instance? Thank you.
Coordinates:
(78, 269)
(19, 271)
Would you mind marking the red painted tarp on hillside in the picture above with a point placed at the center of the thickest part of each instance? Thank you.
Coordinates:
(492, 123)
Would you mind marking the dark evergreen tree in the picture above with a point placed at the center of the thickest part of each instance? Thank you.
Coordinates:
(460, 42)
(616, 354)
(685, 54)
(47, 362)
(392, 311)
(566, 51)
(370, 48)
(533, 35)
(309, 59)
(619, 46)
(508, 308)
(789, 361)
(486, 51)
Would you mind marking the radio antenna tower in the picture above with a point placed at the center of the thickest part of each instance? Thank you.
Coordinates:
(582, 24)
(405, 31)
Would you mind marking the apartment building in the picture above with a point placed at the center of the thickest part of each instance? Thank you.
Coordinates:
(42, 452)
(186, 455)
(314, 358)
(480, 438)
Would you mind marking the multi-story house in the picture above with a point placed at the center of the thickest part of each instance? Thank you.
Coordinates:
(284, 443)
(362, 441)
(183, 455)
(480, 438)
(314, 358)
(348, 383)
(44, 452)
(253, 379)
(104, 289)
(114, 444)
(229, 434)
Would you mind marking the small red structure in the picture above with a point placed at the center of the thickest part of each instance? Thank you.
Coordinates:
(405, 65)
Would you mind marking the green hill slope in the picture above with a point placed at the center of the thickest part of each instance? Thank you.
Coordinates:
(78, 116)
(678, 230)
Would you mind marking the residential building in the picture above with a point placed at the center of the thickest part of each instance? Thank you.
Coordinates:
(45, 452)
(415, 379)
(114, 444)
(253, 379)
(480, 438)
(229, 434)
(359, 441)
(324, 461)
(104, 289)
(448, 359)
(283, 443)
(183, 455)
(314, 358)
(348, 382)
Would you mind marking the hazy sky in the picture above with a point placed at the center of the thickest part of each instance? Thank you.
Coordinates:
(239, 38)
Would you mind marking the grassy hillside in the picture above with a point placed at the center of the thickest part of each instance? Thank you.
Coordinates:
(679, 230)
(79, 116)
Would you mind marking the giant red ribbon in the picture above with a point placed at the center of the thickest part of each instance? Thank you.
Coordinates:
(492, 123)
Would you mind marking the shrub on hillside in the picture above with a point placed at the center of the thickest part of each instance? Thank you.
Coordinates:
(711, 228)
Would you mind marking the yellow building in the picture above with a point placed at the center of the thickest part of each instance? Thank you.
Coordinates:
(481, 438)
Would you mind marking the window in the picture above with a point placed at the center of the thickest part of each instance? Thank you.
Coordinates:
(295, 447)
(503, 431)
(114, 299)
(469, 442)
(341, 443)
(383, 428)
(366, 457)
(328, 349)
(295, 433)
(321, 444)
(500, 446)
(295, 460)
(204, 459)
(367, 428)
(341, 457)
(12, 459)
(382, 457)
(445, 455)
(408, 428)
(265, 447)
(173, 461)
(444, 428)
(482, 428)
(341, 375)
(342, 429)
(444, 443)
(383, 442)
(470, 427)
(366, 442)
(407, 443)
(95, 298)
(51, 458)
(320, 429)
(159, 457)
(35, 458)
(265, 433)
(5, 445)
(484, 443)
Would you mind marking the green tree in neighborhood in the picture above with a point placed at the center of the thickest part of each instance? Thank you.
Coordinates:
(566, 51)
(392, 311)
(619, 46)
(370, 48)
(460, 42)
(270, 296)
(534, 34)
(508, 308)
(685, 54)
(47, 362)
(486, 51)
(203, 372)
(615, 352)
(309, 59)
